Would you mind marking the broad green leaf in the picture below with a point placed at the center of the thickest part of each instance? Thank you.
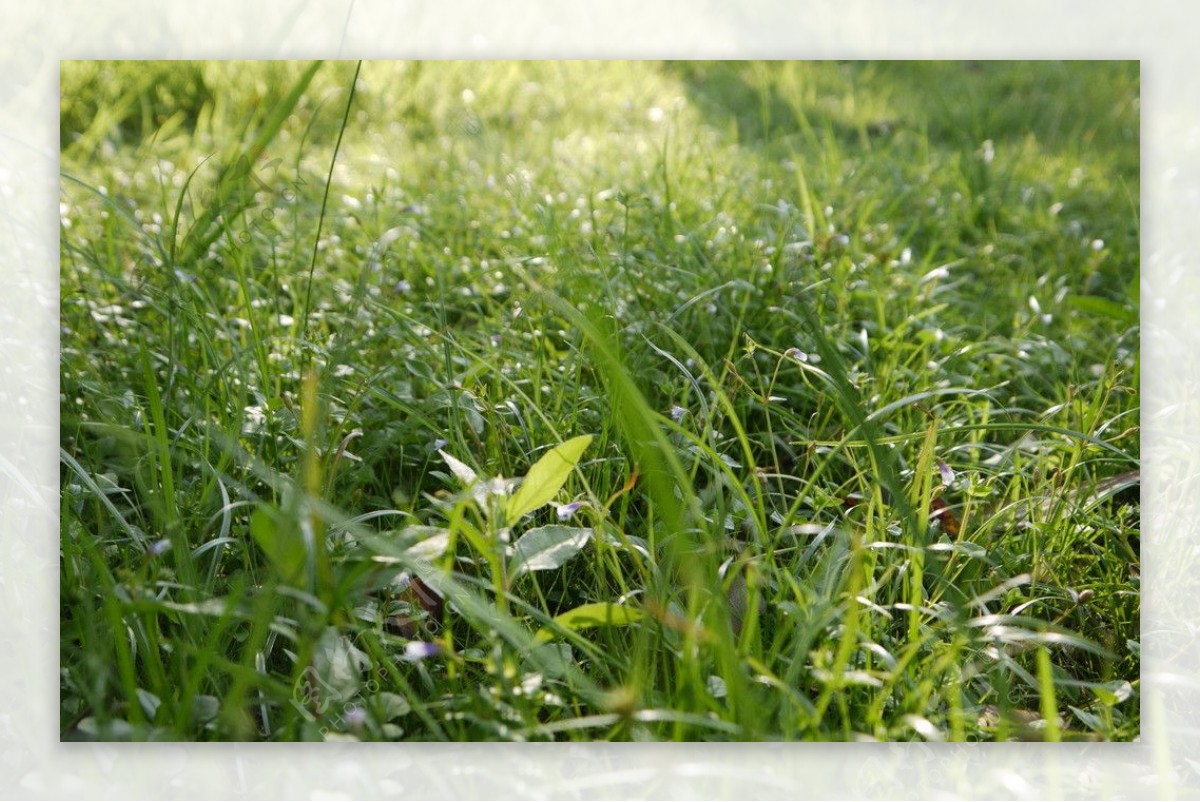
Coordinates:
(283, 544)
(1090, 720)
(430, 547)
(392, 705)
(547, 548)
(554, 659)
(205, 708)
(546, 477)
(150, 703)
(587, 616)
(338, 666)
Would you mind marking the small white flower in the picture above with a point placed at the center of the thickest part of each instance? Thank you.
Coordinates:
(936, 274)
(255, 418)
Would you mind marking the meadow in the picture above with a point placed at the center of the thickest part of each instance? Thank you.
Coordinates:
(529, 401)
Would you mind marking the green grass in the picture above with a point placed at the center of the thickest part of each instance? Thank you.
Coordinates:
(843, 361)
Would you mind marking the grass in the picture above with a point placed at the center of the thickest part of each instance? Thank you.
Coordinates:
(822, 379)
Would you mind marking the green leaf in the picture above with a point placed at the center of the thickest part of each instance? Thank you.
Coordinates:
(409, 547)
(587, 616)
(428, 548)
(460, 469)
(337, 669)
(1113, 692)
(149, 702)
(205, 708)
(547, 548)
(1090, 720)
(392, 705)
(281, 541)
(546, 477)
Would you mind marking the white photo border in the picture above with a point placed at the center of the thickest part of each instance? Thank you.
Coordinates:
(33, 764)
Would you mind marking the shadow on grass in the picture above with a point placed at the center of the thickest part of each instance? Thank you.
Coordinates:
(1064, 106)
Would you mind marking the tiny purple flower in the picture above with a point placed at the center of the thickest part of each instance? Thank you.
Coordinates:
(416, 651)
(947, 473)
(565, 511)
(677, 412)
(158, 547)
(356, 717)
(402, 286)
(796, 354)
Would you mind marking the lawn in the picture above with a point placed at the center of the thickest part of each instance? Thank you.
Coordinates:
(599, 400)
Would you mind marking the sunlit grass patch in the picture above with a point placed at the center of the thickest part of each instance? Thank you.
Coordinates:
(573, 400)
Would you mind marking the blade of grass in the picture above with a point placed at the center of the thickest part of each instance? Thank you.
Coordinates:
(235, 176)
(312, 266)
